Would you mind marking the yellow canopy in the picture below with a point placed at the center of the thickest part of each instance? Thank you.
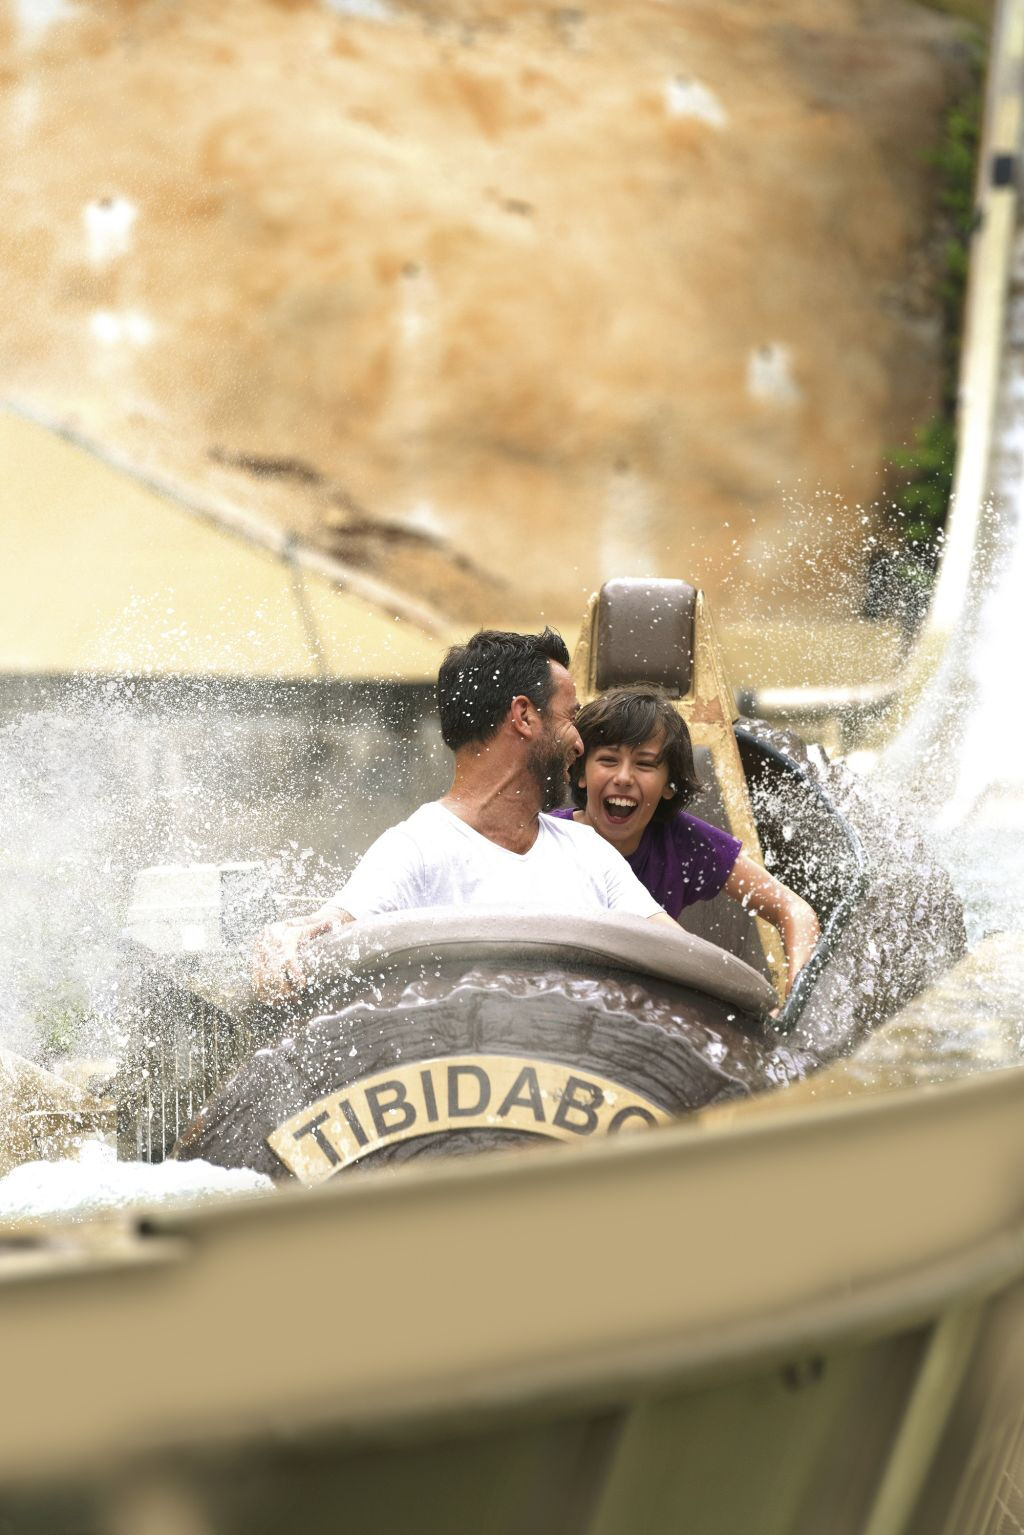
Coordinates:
(100, 573)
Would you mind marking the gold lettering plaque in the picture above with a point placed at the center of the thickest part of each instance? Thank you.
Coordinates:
(455, 1092)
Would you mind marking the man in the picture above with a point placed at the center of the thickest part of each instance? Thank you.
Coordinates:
(508, 706)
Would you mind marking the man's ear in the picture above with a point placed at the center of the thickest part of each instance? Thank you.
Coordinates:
(519, 713)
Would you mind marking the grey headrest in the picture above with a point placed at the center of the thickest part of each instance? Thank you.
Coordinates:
(645, 634)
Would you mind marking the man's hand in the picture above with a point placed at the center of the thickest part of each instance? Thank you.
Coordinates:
(279, 969)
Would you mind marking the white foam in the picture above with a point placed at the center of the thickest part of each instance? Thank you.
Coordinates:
(365, 10)
(770, 375)
(97, 1182)
(36, 17)
(686, 97)
(423, 516)
(111, 328)
(109, 222)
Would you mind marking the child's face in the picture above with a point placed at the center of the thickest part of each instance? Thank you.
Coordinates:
(624, 785)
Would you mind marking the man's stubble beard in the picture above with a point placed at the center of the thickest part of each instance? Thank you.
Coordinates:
(547, 767)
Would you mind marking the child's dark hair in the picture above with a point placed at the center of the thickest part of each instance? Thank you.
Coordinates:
(628, 717)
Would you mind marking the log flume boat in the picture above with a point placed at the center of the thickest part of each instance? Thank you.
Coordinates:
(442, 1032)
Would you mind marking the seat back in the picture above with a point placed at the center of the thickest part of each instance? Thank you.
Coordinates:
(660, 631)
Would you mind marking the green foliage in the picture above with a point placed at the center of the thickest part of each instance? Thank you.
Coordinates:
(922, 481)
(920, 504)
(977, 12)
(954, 161)
(62, 1019)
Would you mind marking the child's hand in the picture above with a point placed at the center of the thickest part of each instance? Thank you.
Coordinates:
(800, 933)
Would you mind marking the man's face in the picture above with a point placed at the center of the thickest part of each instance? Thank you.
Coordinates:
(558, 747)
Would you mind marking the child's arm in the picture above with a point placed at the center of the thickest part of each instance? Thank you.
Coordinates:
(766, 897)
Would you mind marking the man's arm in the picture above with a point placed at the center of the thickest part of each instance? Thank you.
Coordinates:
(388, 877)
(665, 920)
(277, 969)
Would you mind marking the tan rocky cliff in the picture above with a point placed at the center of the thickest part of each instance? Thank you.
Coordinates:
(492, 300)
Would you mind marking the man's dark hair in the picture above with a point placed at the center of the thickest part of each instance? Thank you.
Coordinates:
(478, 681)
(627, 717)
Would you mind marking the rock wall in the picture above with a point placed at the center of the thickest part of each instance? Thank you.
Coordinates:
(495, 299)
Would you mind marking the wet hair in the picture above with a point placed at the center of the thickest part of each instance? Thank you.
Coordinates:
(478, 681)
(627, 717)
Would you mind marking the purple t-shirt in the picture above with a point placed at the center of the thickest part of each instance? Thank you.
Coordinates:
(682, 860)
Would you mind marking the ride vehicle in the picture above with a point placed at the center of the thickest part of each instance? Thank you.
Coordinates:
(446, 1032)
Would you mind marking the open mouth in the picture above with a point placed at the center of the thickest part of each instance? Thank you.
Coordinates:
(618, 808)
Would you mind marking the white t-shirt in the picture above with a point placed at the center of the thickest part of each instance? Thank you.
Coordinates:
(434, 859)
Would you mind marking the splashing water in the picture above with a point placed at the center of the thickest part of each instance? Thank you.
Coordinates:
(99, 779)
(96, 1183)
(962, 753)
(980, 827)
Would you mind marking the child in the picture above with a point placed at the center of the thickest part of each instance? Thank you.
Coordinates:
(630, 785)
